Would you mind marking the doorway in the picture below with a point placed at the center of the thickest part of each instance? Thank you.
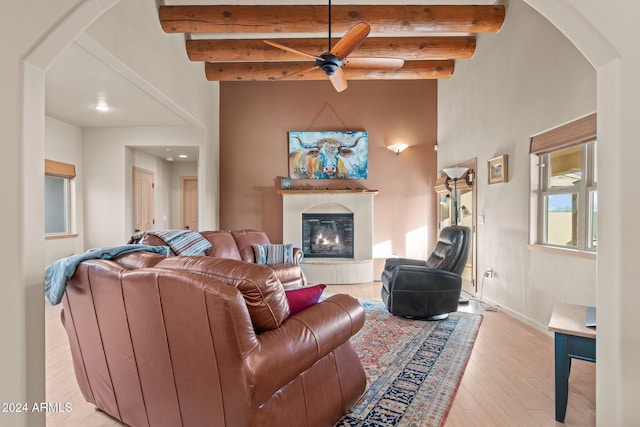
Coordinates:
(143, 200)
(189, 190)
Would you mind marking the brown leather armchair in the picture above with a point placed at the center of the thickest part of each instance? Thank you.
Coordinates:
(201, 341)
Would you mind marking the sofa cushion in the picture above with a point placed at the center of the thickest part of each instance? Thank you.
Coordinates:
(245, 239)
(262, 291)
(223, 244)
(301, 298)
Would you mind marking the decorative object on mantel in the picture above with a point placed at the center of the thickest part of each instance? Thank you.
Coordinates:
(498, 169)
(329, 155)
(285, 183)
(397, 148)
(328, 191)
(455, 174)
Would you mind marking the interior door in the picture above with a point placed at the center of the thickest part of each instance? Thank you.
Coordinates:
(143, 200)
(190, 203)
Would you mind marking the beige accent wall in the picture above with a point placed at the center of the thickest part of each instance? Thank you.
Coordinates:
(255, 118)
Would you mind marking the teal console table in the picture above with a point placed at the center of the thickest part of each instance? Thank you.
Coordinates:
(573, 340)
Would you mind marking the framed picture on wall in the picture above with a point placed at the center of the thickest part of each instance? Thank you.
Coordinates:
(329, 155)
(498, 169)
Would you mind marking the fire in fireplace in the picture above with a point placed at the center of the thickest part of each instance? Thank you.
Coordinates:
(327, 235)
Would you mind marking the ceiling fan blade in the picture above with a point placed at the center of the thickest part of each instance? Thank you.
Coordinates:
(339, 80)
(299, 73)
(288, 49)
(373, 63)
(354, 37)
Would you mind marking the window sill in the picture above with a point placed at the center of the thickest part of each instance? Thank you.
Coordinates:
(563, 251)
(61, 236)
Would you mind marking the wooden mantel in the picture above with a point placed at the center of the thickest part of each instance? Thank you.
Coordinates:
(329, 191)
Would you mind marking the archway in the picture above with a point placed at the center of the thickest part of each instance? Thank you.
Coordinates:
(614, 401)
(35, 65)
(585, 36)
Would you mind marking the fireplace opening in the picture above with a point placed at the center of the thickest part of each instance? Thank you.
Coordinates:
(327, 235)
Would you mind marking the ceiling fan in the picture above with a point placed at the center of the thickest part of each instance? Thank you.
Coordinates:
(332, 61)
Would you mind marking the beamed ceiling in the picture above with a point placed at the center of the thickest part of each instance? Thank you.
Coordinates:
(428, 38)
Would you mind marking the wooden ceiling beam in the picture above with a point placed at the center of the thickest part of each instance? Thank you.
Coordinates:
(296, 71)
(408, 48)
(313, 18)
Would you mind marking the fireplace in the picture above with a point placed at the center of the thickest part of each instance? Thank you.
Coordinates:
(327, 235)
(356, 205)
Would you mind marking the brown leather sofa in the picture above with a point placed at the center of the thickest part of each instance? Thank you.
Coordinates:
(238, 244)
(201, 341)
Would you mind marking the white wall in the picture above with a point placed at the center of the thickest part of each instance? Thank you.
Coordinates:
(108, 162)
(606, 33)
(63, 143)
(523, 80)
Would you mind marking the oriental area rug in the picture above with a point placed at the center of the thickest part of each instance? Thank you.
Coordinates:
(413, 367)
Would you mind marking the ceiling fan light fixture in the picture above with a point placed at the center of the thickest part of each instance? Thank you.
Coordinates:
(329, 63)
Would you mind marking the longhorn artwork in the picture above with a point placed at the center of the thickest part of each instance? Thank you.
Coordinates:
(328, 155)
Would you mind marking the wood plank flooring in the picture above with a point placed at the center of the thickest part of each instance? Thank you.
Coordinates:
(508, 381)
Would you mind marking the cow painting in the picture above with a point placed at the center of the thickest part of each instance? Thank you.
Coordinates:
(328, 155)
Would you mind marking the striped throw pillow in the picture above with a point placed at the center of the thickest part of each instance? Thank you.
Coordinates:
(260, 252)
(271, 254)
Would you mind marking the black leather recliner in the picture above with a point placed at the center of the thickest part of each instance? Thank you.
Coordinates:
(428, 289)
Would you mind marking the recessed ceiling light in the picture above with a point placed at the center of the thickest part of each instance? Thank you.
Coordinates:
(169, 159)
(183, 156)
(102, 107)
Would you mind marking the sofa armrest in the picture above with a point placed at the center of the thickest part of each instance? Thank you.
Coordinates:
(297, 255)
(302, 340)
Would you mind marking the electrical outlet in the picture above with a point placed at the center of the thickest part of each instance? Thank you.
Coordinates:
(488, 272)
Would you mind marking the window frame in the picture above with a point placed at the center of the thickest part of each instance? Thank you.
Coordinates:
(580, 132)
(67, 173)
(583, 190)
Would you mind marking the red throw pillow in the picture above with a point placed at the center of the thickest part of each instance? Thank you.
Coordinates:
(301, 298)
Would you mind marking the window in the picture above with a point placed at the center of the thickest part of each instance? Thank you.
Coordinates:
(567, 192)
(57, 197)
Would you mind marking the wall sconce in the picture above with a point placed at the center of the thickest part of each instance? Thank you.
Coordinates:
(397, 147)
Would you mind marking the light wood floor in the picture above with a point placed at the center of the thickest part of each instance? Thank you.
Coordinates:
(508, 381)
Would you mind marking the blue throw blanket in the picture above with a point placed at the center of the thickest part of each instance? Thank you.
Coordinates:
(59, 272)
